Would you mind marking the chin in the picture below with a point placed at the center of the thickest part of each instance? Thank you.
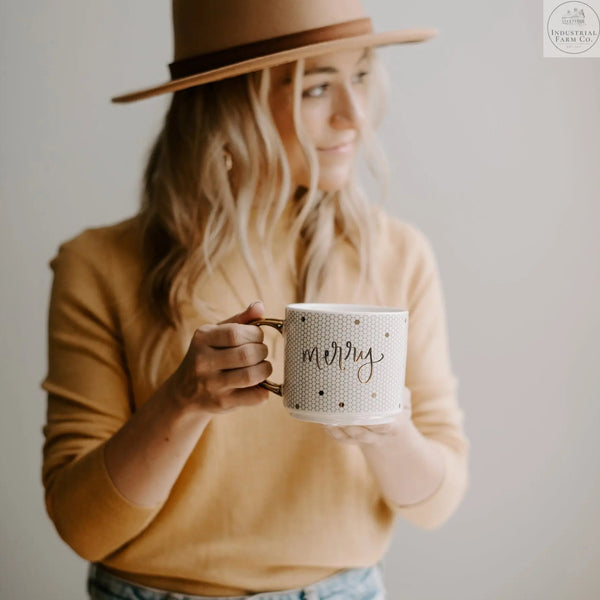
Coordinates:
(335, 181)
(330, 180)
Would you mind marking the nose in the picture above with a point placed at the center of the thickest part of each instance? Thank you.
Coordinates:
(348, 110)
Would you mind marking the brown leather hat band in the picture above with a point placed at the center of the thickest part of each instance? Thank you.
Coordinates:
(230, 56)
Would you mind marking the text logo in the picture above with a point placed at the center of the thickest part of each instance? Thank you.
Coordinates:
(571, 28)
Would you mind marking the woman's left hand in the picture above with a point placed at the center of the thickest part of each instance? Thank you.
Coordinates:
(372, 434)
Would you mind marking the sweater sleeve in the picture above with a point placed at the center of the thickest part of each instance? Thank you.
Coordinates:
(89, 399)
(433, 386)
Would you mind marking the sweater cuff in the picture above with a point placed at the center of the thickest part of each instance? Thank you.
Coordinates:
(436, 509)
(90, 513)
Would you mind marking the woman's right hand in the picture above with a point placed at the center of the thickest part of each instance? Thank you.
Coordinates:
(224, 365)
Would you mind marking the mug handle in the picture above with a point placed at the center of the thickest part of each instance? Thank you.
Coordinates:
(276, 388)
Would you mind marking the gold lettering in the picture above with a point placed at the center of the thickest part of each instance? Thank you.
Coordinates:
(364, 357)
(310, 354)
(368, 365)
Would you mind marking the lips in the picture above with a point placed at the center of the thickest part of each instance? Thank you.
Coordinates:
(341, 148)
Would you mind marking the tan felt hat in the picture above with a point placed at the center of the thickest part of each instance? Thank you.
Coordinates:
(217, 39)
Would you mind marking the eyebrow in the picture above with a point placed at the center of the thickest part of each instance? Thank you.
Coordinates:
(325, 69)
(332, 70)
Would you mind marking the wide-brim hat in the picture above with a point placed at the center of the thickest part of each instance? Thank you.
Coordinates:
(218, 39)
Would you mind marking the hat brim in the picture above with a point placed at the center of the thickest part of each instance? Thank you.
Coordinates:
(403, 36)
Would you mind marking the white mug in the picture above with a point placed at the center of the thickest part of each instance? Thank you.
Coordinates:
(344, 364)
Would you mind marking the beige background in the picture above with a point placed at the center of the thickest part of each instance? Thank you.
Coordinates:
(495, 153)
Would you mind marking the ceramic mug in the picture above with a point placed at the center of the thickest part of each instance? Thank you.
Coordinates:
(344, 364)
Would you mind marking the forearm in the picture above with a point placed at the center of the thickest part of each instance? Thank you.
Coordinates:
(145, 457)
(408, 467)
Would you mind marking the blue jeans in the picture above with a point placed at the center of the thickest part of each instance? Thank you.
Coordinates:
(352, 584)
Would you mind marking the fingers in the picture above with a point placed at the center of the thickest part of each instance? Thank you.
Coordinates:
(256, 310)
(243, 378)
(362, 434)
(225, 363)
(234, 331)
(227, 335)
(218, 391)
(238, 357)
(350, 434)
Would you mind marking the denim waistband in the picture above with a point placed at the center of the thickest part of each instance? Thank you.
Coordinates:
(360, 584)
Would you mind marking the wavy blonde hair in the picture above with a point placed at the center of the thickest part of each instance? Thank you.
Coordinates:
(194, 210)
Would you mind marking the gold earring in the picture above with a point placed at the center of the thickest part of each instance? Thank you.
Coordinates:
(228, 160)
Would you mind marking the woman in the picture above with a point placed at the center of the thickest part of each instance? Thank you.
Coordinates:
(166, 465)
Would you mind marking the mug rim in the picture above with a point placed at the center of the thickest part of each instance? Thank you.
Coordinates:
(340, 308)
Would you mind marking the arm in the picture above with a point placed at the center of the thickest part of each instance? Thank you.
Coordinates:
(407, 466)
(420, 461)
(107, 472)
(219, 373)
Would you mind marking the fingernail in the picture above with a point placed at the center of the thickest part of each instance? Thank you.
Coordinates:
(254, 304)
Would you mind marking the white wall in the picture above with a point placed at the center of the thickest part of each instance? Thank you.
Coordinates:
(495, 153)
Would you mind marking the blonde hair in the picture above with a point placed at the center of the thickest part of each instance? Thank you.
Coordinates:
(194, 210)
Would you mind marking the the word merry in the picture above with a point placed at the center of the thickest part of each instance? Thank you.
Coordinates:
(340, 354)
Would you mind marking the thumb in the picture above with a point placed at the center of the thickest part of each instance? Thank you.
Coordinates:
(256, 310)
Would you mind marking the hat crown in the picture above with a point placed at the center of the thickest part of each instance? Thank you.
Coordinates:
(206, 26)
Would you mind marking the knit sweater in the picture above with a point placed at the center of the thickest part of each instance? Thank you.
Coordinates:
(264, 502)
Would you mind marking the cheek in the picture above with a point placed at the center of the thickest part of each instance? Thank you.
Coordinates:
(314, 117)
(333, 171)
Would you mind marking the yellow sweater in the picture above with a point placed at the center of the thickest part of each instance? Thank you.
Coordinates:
(265, 502)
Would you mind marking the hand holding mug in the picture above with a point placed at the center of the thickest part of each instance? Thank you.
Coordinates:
(372, 434)
(224, 365)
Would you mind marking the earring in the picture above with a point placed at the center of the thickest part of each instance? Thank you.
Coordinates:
(228, 160)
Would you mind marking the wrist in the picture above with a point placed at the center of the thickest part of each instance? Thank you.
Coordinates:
(180, 405)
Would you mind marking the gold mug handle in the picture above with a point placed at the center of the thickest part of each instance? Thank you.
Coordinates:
(276, 388)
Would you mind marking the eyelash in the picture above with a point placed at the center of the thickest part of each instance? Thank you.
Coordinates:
(310, 92)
